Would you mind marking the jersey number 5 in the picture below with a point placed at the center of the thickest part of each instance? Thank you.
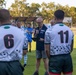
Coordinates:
(8, 41)
(62, 34)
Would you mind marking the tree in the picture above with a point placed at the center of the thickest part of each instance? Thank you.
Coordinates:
(34, 9)
(18, 8)
(2, 3)
(72, 12)
(46, 10)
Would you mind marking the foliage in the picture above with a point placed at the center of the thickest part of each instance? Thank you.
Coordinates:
(18, 8)
(2, 3)
(21, 8)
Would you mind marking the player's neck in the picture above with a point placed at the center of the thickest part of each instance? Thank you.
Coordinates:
(59, 21)
(5, 22)
(40, 26)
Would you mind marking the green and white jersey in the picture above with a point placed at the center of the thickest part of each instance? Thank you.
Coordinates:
(12, 42)
(60, 38)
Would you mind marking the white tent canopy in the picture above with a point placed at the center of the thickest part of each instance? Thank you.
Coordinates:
(67, 19)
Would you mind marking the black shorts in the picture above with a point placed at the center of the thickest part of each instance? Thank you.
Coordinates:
(11, 68)
(60, 63)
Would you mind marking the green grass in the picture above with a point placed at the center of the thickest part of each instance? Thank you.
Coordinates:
(30, 68)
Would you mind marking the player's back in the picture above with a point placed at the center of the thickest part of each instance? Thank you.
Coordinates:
(11, 43)
(61, 39)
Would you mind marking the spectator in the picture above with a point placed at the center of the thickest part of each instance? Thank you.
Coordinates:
(58, 46)
(11, 47)
(29, 31)
(52, 22)
(14, 23)
(40, 52)
(18, 23)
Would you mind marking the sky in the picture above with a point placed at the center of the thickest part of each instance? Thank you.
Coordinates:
(62, 2)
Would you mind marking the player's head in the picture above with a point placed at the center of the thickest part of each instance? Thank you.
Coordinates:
(13, 23)
(18, 23)
(39, 21)
(59, 15)
(52, 22)
(4, 15)
(28, 24)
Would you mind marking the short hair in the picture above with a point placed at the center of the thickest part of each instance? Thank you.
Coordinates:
(4, 15)
(29, 23)
(59, 14)
(39, 19)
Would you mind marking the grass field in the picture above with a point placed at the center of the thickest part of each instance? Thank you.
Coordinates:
(30, 68)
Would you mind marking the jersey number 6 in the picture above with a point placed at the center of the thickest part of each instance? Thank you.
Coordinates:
(8, 41)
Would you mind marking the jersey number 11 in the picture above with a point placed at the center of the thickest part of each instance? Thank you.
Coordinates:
(62, 34)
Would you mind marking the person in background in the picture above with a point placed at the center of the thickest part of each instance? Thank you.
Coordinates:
(13, 23)
(40, 52)
(59, 45)
(28, 32)
(11, 46)
(18, 23)
(52, 22)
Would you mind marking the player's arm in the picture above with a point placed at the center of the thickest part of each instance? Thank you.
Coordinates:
(25, 46)
(35, 32)
(47, 44)
(47, 49)
(72, 43)
(31, 30)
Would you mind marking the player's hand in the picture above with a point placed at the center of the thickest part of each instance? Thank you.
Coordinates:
(27, 31)
(37, 31)
(41, 39)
